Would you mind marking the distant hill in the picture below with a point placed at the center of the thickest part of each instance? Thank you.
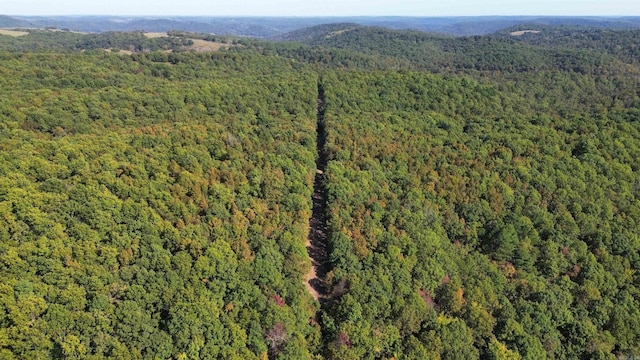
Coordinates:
(266, 27)
(231, 26)
(8, 21)
(316, 33)
(523, 47)
(622, 43)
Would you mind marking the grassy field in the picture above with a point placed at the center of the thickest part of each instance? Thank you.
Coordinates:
(203, 45)
(122, 52)
(199, 45)
(13, 32)
(522, 32)
(153, 35)
(336, 33)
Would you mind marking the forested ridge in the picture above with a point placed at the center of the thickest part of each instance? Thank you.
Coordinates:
(471, 229)
(479, 197)
(152, 218)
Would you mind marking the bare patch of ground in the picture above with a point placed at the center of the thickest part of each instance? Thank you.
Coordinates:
(121, 52)
(316, 243)
(154, 35)
(522, 32)
(336, 33)
(204, 45)
(15, 33)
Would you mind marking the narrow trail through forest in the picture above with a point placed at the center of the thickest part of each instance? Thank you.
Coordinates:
(317, 239)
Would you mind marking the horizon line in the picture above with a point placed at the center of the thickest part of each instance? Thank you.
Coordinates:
(333, 16)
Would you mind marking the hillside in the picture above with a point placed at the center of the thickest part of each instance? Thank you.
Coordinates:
(348, 192)
(620, 43)
(151, 211)
(565, 48)
(466, 220)
(127, 42)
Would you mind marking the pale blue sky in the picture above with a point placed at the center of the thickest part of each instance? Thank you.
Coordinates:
(320, 7)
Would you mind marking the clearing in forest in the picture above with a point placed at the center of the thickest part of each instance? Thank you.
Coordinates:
(121, 52)
(317, 239)
(154, 35)
(15, 33)
(200, 45)
(522, 32)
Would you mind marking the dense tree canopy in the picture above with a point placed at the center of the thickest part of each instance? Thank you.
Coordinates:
(481, 194)
(467, 220)
(155, 210)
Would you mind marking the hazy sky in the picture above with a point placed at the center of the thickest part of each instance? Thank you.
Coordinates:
(320, 7)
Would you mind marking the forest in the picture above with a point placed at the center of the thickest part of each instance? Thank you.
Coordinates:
(481, 195)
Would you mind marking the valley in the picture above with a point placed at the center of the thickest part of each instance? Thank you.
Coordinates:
(317, 239)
